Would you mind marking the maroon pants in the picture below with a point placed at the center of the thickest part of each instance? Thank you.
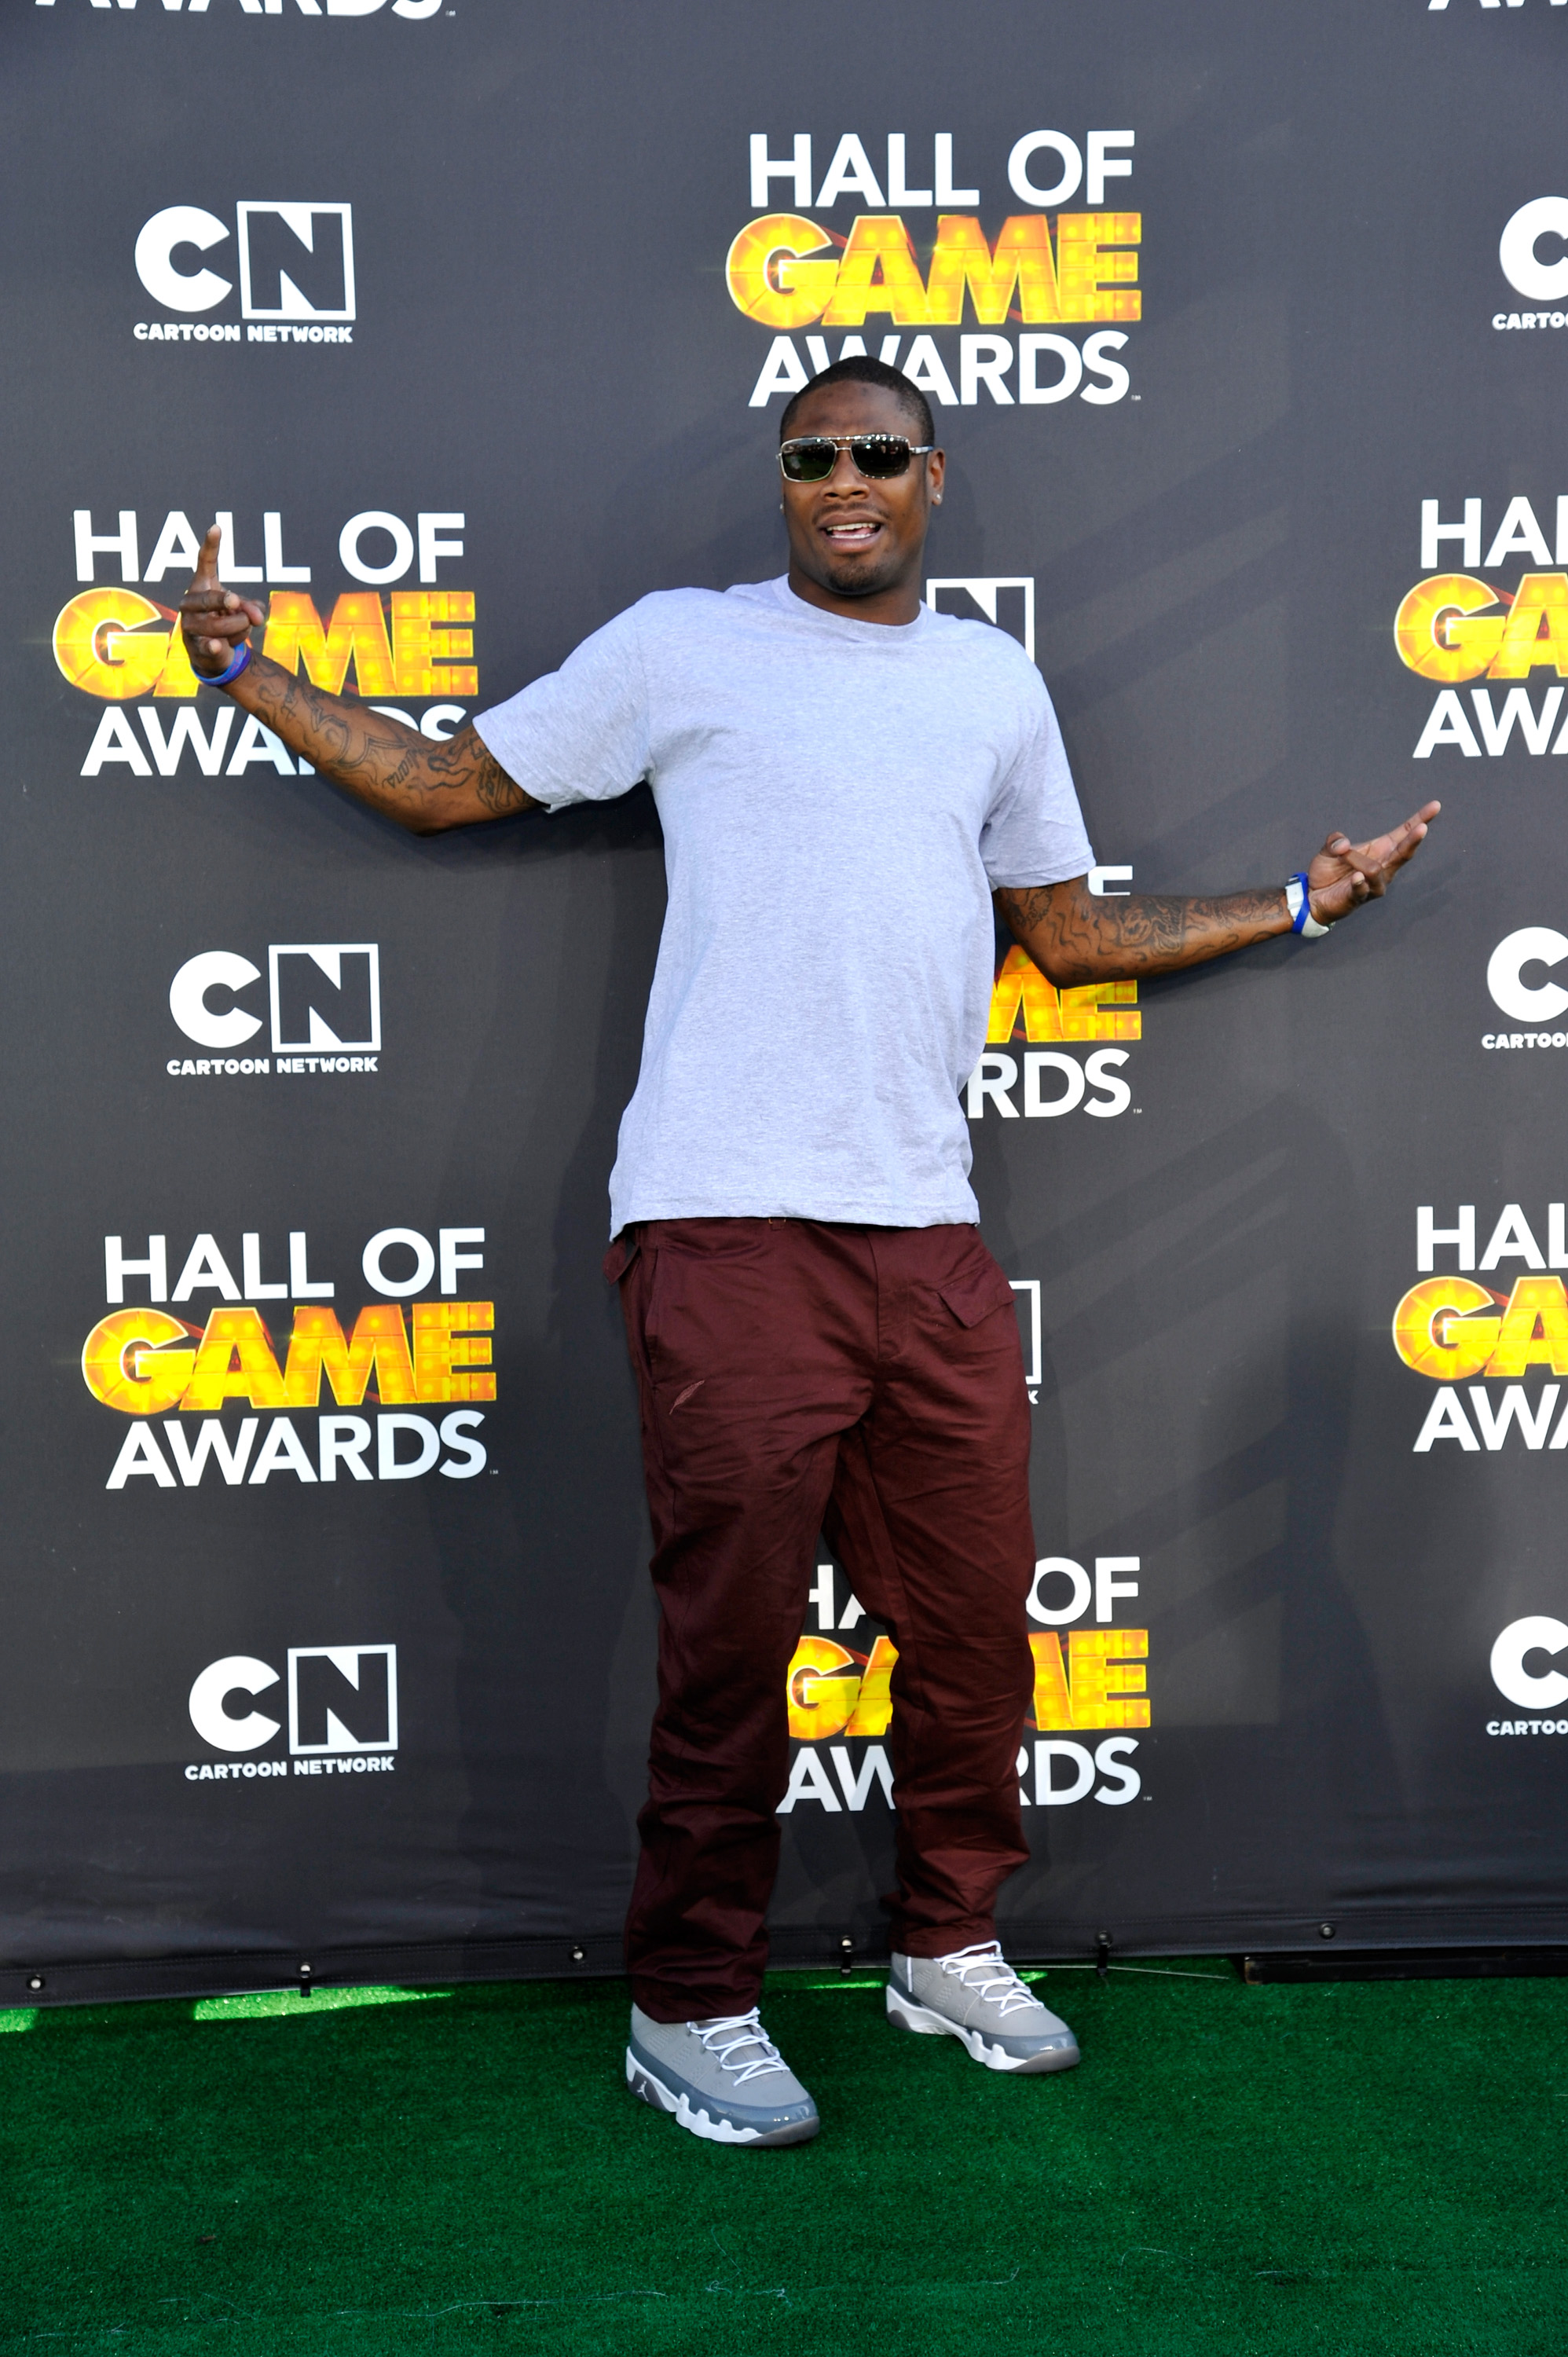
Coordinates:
(798, 1377)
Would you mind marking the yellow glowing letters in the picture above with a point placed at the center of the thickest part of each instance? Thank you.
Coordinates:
(1442, 632)
(234, 1362)
(357, 633)
(1091, 275)
(768, 280)
(1022, 265)
(379, 1342)
(422, 660)
(123, 1366)
(1536, 632)
(873, 1712)
(820, 1696)
(826, 1698)
(1534, 1332)
(1435, 1334)
(125, 1362)
(1086, 257)
(878, 272)
(1048, 1013)
(444, 1338)
(100, 644)
(1106, 1667)
(103, 643)
(1107, 1678)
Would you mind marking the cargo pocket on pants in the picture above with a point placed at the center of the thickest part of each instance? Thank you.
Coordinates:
(977, 1296)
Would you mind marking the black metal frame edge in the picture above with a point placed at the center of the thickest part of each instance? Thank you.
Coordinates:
(98, 1981)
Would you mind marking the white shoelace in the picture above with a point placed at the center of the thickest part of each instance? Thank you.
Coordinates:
(740, 2029)
(989, 1959)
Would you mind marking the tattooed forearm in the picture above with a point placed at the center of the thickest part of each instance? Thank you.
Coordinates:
(465, 765)
(425, 785)
(1075, 938)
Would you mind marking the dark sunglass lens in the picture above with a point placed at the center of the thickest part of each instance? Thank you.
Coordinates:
(809, 462)
(881, 458)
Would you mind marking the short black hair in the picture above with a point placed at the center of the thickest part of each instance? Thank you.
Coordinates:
(861, 369)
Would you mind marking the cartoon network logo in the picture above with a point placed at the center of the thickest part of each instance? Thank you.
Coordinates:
(293, 263)
(1539, 1636)
(342, 1709)
(982, 594)
(321, 995)
(1538, 276)
(1534, 949)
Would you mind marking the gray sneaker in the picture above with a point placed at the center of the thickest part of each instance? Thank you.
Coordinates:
(723, 2079)
(977, 1997)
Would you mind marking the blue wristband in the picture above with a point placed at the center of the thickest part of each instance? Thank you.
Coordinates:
(1302, 922)
(240, 663)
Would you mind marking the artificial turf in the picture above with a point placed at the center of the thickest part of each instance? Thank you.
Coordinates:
(1353, 2167)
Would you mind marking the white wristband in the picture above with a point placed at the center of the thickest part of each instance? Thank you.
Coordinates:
(1302, 922)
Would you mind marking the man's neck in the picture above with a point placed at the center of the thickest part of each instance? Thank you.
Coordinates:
(898, 603)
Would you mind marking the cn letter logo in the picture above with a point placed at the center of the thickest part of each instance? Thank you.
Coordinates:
(341, 1698)
(326, 995)
(1535, 1639)
(1539, 948)
(1006, 598)
(1541, 276)
(294, 260)
(322, 994)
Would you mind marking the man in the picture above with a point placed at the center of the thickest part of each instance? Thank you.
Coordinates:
(820, 1340)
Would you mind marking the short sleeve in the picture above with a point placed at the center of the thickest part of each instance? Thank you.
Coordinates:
(580, 734)
(1034, 832)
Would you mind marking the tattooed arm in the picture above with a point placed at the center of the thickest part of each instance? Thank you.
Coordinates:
(424, 785)
(1074, 938)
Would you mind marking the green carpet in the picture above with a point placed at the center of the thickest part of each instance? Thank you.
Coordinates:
(1345, 2169)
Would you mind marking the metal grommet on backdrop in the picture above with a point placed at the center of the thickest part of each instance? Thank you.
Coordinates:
(1325, 1930)
(34, 1981)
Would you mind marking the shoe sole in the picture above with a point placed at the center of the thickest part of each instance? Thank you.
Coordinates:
(650, 2089)
(905, 2014)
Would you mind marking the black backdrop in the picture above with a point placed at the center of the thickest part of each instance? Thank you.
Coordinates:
(528, 356)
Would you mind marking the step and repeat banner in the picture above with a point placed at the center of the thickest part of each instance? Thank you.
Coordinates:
(328, 1638)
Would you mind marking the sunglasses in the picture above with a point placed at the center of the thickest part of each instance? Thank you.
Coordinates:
(812, 457)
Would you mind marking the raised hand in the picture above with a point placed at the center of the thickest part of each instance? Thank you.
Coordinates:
(1344, 873)
(1075, 938)
(426, 784)
(214, 621)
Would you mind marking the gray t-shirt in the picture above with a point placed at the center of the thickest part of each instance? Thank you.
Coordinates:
(838, 800)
